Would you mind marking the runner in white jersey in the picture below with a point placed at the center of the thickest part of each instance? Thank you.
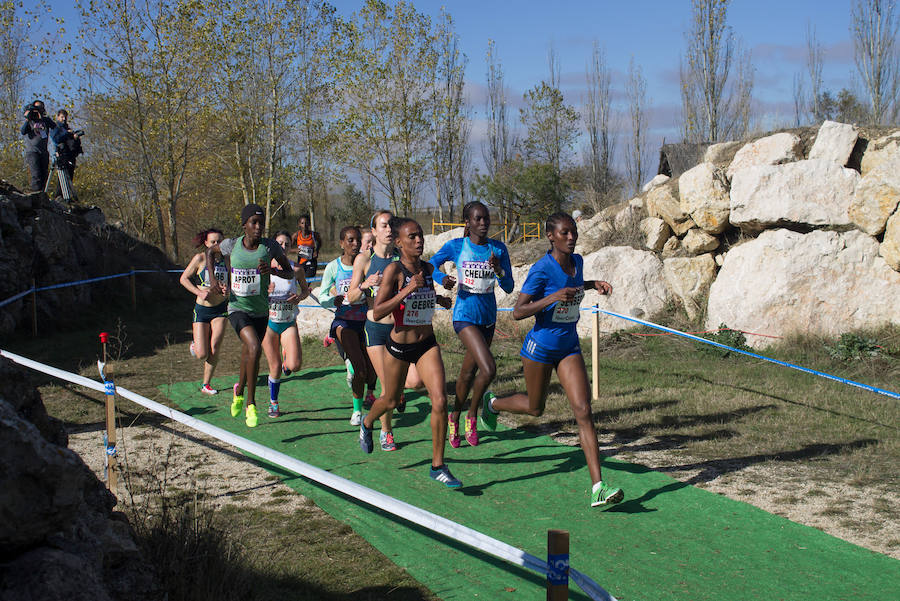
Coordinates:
(281, 343)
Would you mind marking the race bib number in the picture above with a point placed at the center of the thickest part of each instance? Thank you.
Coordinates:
(221, 273)
(305, 252)
(281, 312)
(419, 307)
(569, 311)
(476, 277)
(245, 282)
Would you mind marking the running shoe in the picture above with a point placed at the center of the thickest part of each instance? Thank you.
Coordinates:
(327, 341)
(369, 400)
(387, 441)
(453, 429)
(471, 431)
(349, 365)
(355, 418)
(273, 410)
(442, 474)
(193, 351)
(365, 437)
(402, 406)
(252, 419)
(237, 402)
(207, 389)
(606, 495)
(285, 370)
(488, 415)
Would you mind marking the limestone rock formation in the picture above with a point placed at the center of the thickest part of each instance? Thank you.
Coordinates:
(663, 202)
(657, 180)
(697, 241)
(722, 154)
(834, 142)
(883, 150)
(655, 232)
(809, 193)
(689, 279)
(890, 246)
(770, 150)
(822, 283)
(61, 540)
(703, 194)
(876, 198)
(434, 242)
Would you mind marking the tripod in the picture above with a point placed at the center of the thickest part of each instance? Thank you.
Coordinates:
(65, 183)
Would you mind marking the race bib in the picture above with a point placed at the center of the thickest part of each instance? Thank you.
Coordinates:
(569, 311)
(418, 309)
(221, 273)
(476, 277)
(281, 311)
(305, 252)
(245, 282)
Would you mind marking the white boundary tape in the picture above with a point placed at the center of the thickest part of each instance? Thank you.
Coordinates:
(411, 513)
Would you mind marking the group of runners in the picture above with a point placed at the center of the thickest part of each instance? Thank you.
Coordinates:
(384, 296)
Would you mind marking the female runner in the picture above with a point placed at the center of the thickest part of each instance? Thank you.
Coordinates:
(407, 291)
(348, 326)
(281, 330)
(480, 263)
(552, 292)
(250, 258)
(211, 307)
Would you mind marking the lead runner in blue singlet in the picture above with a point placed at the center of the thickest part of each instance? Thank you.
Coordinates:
(407, 292)
(552, 293)
(481, 263)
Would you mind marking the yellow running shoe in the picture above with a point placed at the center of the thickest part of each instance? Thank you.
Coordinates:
(251, 420)
(237, 403)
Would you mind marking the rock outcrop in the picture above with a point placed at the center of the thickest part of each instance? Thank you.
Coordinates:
(60, 537)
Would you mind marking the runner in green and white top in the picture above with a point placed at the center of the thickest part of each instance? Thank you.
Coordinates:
(249, 261)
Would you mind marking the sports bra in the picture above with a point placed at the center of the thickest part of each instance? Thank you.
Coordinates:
(417, 309)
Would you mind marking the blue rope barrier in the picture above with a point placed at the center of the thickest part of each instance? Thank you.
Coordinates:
(13, 299)
(807, 370)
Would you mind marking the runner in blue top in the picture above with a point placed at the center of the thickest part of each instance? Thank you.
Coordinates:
(480, 262)
(552, 293)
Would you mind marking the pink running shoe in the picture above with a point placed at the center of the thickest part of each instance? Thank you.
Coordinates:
(327, 341)
(207, 389)
(471, 431)
(453, 429)
(369, 400)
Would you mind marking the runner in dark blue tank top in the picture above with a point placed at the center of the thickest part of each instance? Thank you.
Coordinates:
(552, 293)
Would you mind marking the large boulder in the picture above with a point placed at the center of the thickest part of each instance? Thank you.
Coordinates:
(433, 243)
(890, 246)
(639, 286)
(697, 241)
(809, 193)
(662, 202)
(703, 194)
(689, 279)
(771, 150)
(657, 181)
(834, 142)
(876, 198)
(722, 154)
(821, 283)
(883, 150)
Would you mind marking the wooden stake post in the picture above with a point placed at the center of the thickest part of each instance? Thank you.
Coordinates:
(110, 446)
(595, 354)
(558, 560)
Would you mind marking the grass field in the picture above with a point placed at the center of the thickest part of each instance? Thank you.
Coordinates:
(813, 450)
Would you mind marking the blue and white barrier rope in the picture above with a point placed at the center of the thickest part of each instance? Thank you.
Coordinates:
(408, 512)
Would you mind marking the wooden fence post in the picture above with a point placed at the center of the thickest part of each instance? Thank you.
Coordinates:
(595, 354)
(558, 560)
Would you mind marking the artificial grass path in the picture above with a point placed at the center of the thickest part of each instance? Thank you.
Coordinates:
(666, 540)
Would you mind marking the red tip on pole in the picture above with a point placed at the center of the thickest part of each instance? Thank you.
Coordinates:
(104, 337)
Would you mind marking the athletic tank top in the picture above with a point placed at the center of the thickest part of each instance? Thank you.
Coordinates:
(377, 264)
(354, 311)
(221, 273)
(305, 246)
(280, 310)
(249, 288)
(417, 309)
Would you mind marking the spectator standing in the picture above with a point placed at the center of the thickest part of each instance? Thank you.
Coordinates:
(308, 245)
(36, 130)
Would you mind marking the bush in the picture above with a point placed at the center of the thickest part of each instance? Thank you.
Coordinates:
(725, 335)
(851, 347)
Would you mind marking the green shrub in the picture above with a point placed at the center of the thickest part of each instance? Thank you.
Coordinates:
(851, 347)
(725, 335)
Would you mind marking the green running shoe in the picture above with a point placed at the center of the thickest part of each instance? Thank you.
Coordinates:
(488, 415)
(237, 403)
(606, 495)
(252, 419)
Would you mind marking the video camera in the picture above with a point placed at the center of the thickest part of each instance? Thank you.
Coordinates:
(33, 114)
(79, 133)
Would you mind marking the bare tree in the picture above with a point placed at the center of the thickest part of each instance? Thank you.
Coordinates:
(799, 95)
(597, 123)
(874, 25)
(814, 55)
(497, 150)
(636, 90)
(715, 101)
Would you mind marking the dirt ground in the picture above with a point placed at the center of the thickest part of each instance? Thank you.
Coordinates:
(227, 477)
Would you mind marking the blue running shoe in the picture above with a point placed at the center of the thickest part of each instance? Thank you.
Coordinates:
(442, 474)
(365, 437)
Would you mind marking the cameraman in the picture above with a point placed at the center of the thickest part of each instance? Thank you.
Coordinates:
(67, 143)
(36, 130)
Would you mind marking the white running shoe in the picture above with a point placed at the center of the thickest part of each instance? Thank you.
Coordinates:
(355, 418)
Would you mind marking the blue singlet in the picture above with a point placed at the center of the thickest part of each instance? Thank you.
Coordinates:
(554, 326)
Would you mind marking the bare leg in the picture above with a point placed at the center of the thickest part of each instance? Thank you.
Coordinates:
(271, 345)
(376, 358)
(537, 379)
(394, 373)
(293, 350)
(413, 379)
(250, 353)
(573, 376)
(432, 367)
(217, 332)
(478, 369)
(350, 341)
